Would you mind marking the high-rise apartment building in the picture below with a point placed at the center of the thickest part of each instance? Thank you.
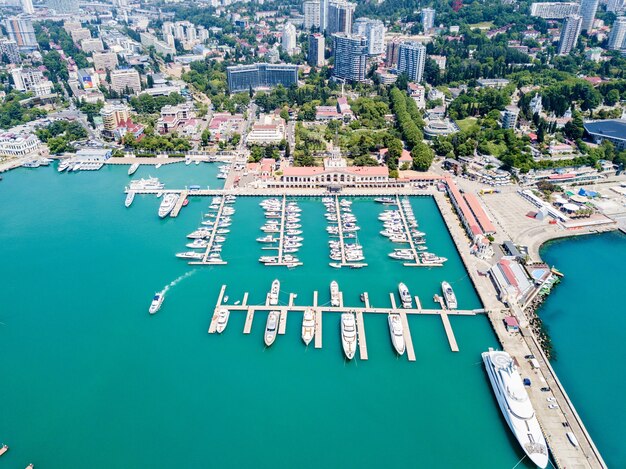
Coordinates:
(374, 31)
(311, 11)
(569, 34)
(509, 117)
(340, 15)
(105, 61)
(588, 10)
(8, 50)
(317, 44)
(31, 79)
(350, 53)
(615, 6)
(412, 60)
(428, 19)
(127, 79)
(289, 38)
(113, 115)
(617, 38)
(391, 54)
(64, 6)
(554, 10)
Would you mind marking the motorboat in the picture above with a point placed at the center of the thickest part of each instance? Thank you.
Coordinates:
(167, 204)
(129, 198)
(199, 233)
(146, 184)
(335, 295)
(198, 244)
(222, 320)
(405, 296)
(267, 239)
(133, 168)
(4, 449)
(271, 327)
(385, 200)
(397, 332)
(308, 325)
(157, 301)
(348, 334)
(449, 296)
(190, 255)
(401, 255)
(274, 292)
(63, 165)
(515, 405)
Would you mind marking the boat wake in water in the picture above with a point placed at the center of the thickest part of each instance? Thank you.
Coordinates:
(178, 280)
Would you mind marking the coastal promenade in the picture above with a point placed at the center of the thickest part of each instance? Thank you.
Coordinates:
(10, 164)
(519, 346)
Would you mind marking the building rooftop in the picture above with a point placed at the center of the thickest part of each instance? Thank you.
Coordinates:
(611, 128)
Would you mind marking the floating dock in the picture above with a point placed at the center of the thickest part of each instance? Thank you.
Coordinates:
(205, 260)
(179, 204)
(408, 340)
(360, 329)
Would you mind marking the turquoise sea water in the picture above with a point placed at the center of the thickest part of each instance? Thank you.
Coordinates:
(89, 379)
(587, 319)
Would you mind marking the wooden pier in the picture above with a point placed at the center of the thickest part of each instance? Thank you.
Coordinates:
(216, 221)
(179, 204)
(359, 312)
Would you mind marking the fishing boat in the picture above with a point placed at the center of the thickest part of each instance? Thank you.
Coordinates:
(348, 334)
(515, 405)
(396, 331)
(271, 327)
(157, 301)
(334, 294)
(405, 296)
(448, 295)
(222, 320)
(308, 326)
(274, 292)
(129, 198)
(133, 168)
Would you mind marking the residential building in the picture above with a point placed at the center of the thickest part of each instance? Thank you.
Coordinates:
(412, 60)
(92, 45)
(340, 15)
(289, 38)
(225, 125)
(374, 31)
(261, 75)
(418, 93)
(64, 6)
(126, 79)
(385, 77)
(18, 144)
(80, 34)
(341, 111)
(31, 79)
(588, 10)
(492, 82)
(163, 48)
(267, 130)
(554, 10)
(594, 54)
(617, 38)
(317, 46)
(176, 118)
(569, 34)
(350, 53)
(509, 117)
(535, 105)
(391, 54)
(615, 6)
(27, 7)
(613, 130)
(8, 49)
(88, 79)
(105, 61)
(311, 11)
(428, 19)
(323, 15)
(113, 115)
(21, 31)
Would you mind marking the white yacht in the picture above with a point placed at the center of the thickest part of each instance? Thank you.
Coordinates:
(157, 301)
(267, 239)
(308, 326)
(146, 184)
(133, 167)
(190, 255)
(271, 327)
(167, 204)
(334, 294)
(222, 320)
(274, 292)
(198, 244)
(448, 295)
(515, 405)
(405, 296)
(348, 334)
(63, 165)
(129, 198)
(396, 331)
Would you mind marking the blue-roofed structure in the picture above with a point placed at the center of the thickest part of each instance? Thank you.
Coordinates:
(613, 130)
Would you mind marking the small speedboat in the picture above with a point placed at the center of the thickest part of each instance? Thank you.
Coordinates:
(157, 301)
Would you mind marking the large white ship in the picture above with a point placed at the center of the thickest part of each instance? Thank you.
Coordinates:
(167, 204)
(334, 294)
(348, 334)
(397, 333)
(274, 292)
(515, 405)
(448, 295)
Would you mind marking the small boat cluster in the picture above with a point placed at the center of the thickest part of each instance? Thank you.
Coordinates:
(400, 226)
(147, 184)
(283, 232)
(72, 165)
(210, 236)
(342, 228)
(224, 170)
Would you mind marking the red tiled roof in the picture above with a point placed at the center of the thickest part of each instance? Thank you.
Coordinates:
(479, 213)
(406, 156)
(465, 210)
(561, 176)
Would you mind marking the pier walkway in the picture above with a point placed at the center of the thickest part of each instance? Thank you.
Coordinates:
(216, 221)
(179, 204)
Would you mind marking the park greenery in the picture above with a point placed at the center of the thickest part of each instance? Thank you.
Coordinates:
(13, 113)
(60, 134)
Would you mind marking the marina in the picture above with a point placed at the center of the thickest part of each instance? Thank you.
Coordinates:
(220, 221)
